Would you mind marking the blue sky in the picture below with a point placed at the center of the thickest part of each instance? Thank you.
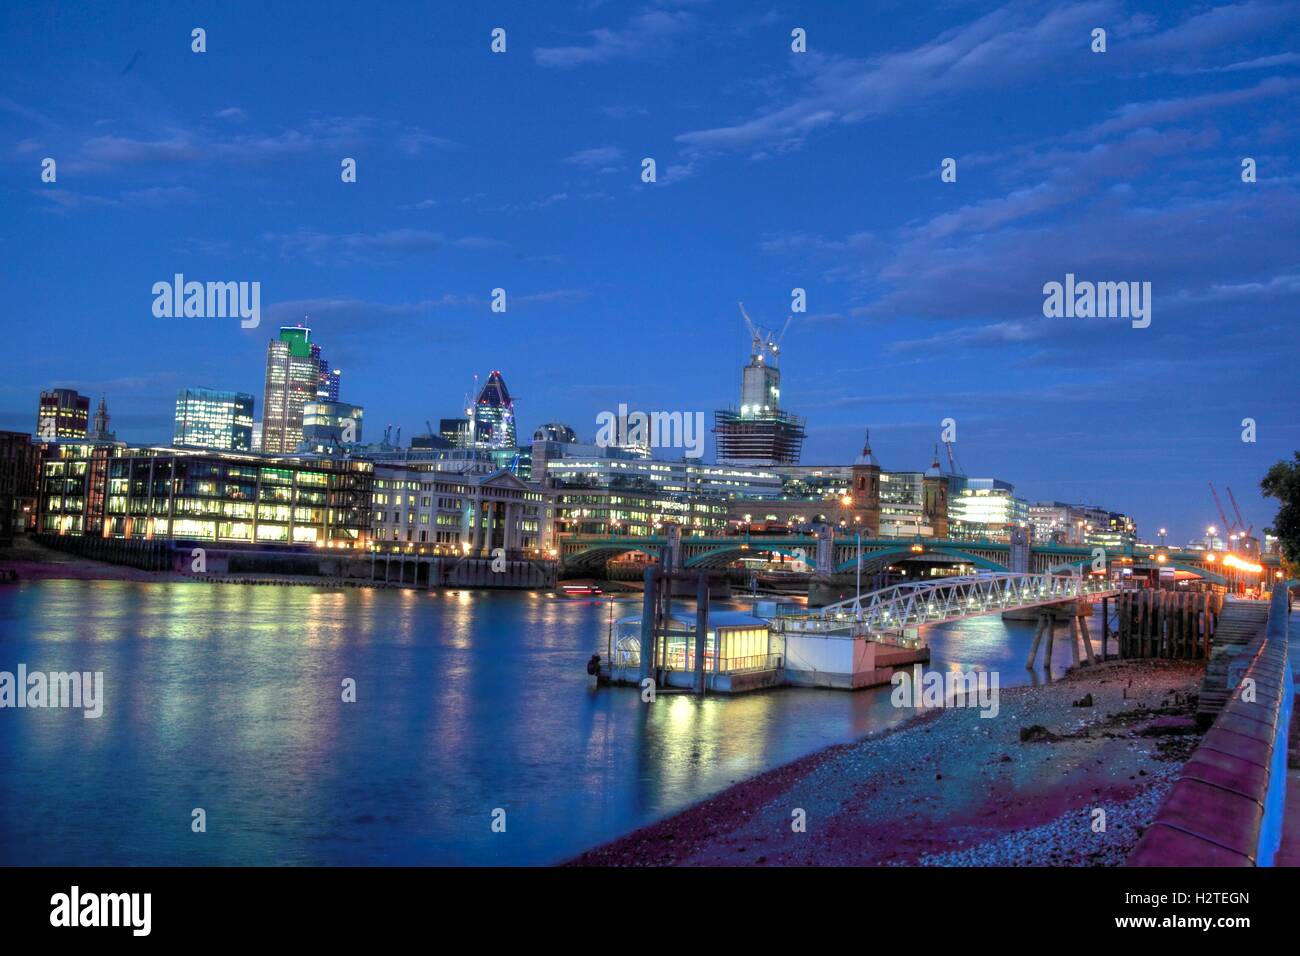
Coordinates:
(775, 170)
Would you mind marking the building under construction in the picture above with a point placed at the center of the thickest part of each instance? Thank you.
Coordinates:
(758, 432)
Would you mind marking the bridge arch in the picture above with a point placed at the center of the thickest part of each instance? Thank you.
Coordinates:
(868, 557)
(597, 556)
(717, 557)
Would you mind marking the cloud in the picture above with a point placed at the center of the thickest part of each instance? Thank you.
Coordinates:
(595, 157)
(156, 196)
(995, 49)
(232, 113)
(1156, 112)
(648, 33)
(359, 247)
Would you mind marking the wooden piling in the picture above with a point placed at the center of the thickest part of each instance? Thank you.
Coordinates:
(1038, 636)
(1087, 639)
(1105, 627)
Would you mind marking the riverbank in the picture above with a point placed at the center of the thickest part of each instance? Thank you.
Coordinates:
(31, 561)
(950, 787)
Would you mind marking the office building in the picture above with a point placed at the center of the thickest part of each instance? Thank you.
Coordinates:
(292, 380)
(63, 413)
(492, 416)
(212, 418)
(187, 494)
(330, 426)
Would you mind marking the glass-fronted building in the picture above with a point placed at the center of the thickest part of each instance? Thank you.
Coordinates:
(201, 495)
(292, 380)
(212, 418)
(331, 425)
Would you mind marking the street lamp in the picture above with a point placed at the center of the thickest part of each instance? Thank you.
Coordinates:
(1162, 537)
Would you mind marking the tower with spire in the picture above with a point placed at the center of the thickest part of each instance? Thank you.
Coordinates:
(99, 430)
(866, 489)
(934, 498)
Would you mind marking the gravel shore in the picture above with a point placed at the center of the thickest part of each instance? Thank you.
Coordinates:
(950, 787)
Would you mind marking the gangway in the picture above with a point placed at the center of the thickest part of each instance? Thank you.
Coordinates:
(889, 611)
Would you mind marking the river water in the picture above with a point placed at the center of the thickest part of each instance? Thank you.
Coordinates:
(228, 699)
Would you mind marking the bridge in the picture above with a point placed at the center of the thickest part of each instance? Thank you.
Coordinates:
(838, 554)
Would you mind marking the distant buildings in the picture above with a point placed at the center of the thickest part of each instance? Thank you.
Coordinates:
(211, 418)
(292, 380)
(758, 433)
(63, 413)
(1056, 522)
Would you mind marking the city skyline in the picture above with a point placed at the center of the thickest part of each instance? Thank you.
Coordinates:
(924, 297)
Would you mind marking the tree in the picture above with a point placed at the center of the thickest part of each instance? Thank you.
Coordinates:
(1283, 483)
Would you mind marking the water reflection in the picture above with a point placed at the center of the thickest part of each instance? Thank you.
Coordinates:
(229, 698)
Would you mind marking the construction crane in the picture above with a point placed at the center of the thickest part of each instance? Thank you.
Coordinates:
(1226, 524)
(1241, 522)
(953, 467)
(763, 340)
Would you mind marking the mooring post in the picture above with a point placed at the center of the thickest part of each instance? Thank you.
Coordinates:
(1038, 636)
(1074, 638)
(1087, 638)
(702, 632)
(1105, 627)
(1051, 641)
(649, 610)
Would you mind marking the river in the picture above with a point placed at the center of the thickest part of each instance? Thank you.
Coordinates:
(228, 699)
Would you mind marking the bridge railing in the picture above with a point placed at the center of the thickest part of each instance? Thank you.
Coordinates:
(912, 604)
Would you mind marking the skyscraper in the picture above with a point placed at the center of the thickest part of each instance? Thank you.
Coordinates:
(759, 433)
(493, 415)
(292, 380)
(210, 418)
(63, 413)
(327, 386)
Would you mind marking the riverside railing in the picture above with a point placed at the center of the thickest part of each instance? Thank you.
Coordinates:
(1226, 808)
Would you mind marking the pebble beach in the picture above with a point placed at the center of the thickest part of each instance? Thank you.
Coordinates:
(1067, 774)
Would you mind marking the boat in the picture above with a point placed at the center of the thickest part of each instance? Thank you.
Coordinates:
(580, 589)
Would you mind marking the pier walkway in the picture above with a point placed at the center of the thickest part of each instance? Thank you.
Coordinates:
(894, 610)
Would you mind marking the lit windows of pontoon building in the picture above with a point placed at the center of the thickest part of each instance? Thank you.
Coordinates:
(741, 651)
(212, 418)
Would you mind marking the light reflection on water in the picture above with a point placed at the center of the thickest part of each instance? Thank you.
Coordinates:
(228, 698)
